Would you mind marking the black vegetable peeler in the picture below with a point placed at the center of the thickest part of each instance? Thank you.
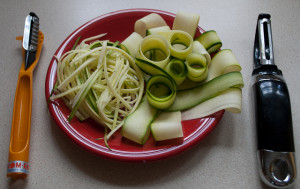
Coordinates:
(275, 141)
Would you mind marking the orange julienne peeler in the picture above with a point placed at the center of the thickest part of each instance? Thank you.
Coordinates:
(32, 42)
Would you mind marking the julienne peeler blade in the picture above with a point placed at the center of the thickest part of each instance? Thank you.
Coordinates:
(18, 159)
(274, 127)
(30, 38)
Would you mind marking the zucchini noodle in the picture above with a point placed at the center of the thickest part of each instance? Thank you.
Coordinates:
(100, 81)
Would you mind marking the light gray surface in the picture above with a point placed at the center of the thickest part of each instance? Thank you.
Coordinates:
(225, 159)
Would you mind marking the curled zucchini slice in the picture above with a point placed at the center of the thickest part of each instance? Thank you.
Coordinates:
(156, 30)
(223, 62)
(210, 40)
(152, 20)
(197, 67)
(131, 44)
(180, 43)
(167, 125)
(178, 70)
(137, 125)
(154, 49)
(187, 22)
(199, 48)
(161, 91)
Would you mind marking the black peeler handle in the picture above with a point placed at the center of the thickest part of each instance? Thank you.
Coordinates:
(272, 110)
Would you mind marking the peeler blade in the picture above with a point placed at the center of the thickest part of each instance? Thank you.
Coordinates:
(30, 38)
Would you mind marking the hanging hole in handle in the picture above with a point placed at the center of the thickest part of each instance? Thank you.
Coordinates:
(280, 171)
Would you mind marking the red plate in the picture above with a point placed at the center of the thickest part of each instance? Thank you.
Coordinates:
(118, 25)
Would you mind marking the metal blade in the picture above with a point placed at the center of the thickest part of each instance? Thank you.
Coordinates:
(30, 38)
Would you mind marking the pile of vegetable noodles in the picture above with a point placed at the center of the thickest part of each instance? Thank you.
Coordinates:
(98, 80)
(104, 81)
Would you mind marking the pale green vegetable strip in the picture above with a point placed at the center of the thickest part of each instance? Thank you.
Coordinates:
(80, 114)
(84, 55)
(161, 91)
(156, 30)
(197, 67)
(230, 100)
(187, 22)
(210, 40)
(137, 125)
(152, 20)
(72, 76)
(175, 37)
(60, 95)
(177, 69)
(154, 42)
(132, 43)
(82, 93)
(93, 38)
(102, 56)
(223, 62)
(199, 48)
(192, 97)
(167, 125)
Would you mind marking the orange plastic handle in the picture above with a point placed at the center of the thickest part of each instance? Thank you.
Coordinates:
(20, 130)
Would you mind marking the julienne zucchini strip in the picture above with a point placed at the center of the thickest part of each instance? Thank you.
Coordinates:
(102, 74)
(55, 85)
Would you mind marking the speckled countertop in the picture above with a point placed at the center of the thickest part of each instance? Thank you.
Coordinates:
(226, 158)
